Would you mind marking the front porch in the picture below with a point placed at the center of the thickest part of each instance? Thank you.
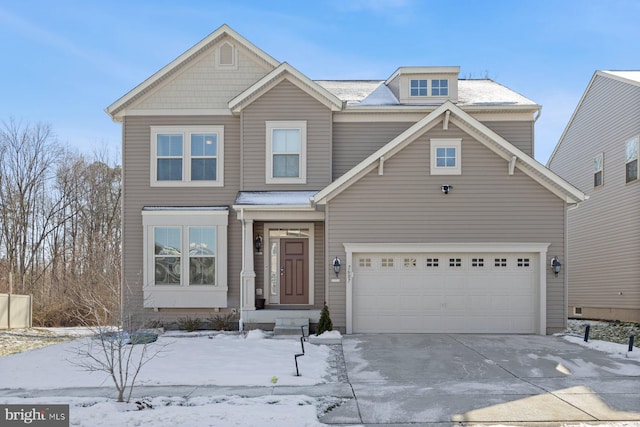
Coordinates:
(283, 265)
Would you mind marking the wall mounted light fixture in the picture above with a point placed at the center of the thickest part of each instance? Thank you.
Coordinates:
(336, 265)
(446, 188)
(258, 243)
(555, 265)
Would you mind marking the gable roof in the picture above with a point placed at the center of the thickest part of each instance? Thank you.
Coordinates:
(285, 72)
(486, 136)
(179, 62)
(629, 77)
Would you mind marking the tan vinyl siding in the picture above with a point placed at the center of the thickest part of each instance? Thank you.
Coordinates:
(354, 142)
(406, 205)
(519, 134)
(138, 193)
(286, 102)
(604, 231)
(201, 85)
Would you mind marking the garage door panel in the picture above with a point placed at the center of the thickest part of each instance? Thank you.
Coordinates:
(448, 293)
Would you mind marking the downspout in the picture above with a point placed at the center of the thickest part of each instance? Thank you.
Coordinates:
(241, 320)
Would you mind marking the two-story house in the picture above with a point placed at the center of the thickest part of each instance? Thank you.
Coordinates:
(599, 153)
(411, 204)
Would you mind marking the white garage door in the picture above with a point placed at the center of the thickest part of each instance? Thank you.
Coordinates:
(445, 293)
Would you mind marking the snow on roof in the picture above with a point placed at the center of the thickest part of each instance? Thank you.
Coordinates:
(350, 91)
(274, 197)
(376, 93)
(488, 92)
(629, 75)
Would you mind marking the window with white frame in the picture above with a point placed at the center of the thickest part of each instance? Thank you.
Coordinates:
(187, 156)
(185, 257)
(446, 156)
(598, 167)
(631, 159)
(439, 87)
(418, 87)
(286, 152)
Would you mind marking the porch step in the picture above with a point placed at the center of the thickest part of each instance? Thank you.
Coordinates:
(291, 326)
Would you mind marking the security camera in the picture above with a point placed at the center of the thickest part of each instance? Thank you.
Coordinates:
(445, 188)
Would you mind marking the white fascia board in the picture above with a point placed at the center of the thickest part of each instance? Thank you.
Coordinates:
(176, 112)
(220, 32)
(282, 72)
(454, 69)
(617, 76)
(527, 164)
(387, 151)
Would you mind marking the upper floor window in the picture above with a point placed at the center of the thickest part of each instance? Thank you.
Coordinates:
(598, 167)
(286, 153)
(418, 88)
(440, 87)
(187, 156)
(446, 156)
(631, 159)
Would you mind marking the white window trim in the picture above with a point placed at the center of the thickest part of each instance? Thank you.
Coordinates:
(446, 143)
(426, 88)
(183, 295)
(601, 170)
(635, 139)
(186, 132)
(431, 88)
(270, 127)
(234, 64)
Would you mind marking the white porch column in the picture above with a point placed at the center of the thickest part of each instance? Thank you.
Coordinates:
(248, 275)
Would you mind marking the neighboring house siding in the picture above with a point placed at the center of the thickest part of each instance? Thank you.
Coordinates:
(138, 193)
(406, 205)
(286, 102)
(604, 231)
(354, 142)
(200, 85)
(519, 134)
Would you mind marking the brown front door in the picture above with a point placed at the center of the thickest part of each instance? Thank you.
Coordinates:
(294, 271)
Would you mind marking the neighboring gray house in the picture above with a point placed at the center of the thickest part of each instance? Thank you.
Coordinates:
(598, 152)
(245, 182)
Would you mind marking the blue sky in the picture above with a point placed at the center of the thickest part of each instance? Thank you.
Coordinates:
(64, 61)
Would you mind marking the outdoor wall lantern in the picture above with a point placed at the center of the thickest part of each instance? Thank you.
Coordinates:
(555, 265)
(446, 188)
(258, 243)
(336, 265)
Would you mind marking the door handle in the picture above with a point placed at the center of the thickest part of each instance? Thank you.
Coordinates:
(282, 271)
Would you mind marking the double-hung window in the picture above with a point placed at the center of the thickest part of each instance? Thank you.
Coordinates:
(631, 159)
(598, 169)
(187, 156)
(185, 257)
(446, 156)
(286, 152)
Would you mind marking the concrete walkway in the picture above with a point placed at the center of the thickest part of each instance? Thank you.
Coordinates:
(408, 379)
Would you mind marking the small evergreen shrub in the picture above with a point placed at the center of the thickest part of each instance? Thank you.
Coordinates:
(189, 324)
(325, 323)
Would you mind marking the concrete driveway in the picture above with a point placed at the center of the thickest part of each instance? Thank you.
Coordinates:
(484, 379)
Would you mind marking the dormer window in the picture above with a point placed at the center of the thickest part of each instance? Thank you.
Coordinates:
(439, 87)
(418, 87)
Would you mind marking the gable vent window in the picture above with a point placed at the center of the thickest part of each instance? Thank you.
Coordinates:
(631, 165)
(432, 262)
(598, 164)
(500, 262)
(226, 56)
(455, 262)
(523, 262)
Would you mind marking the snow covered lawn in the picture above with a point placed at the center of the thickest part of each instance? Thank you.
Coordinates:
(185, 359)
